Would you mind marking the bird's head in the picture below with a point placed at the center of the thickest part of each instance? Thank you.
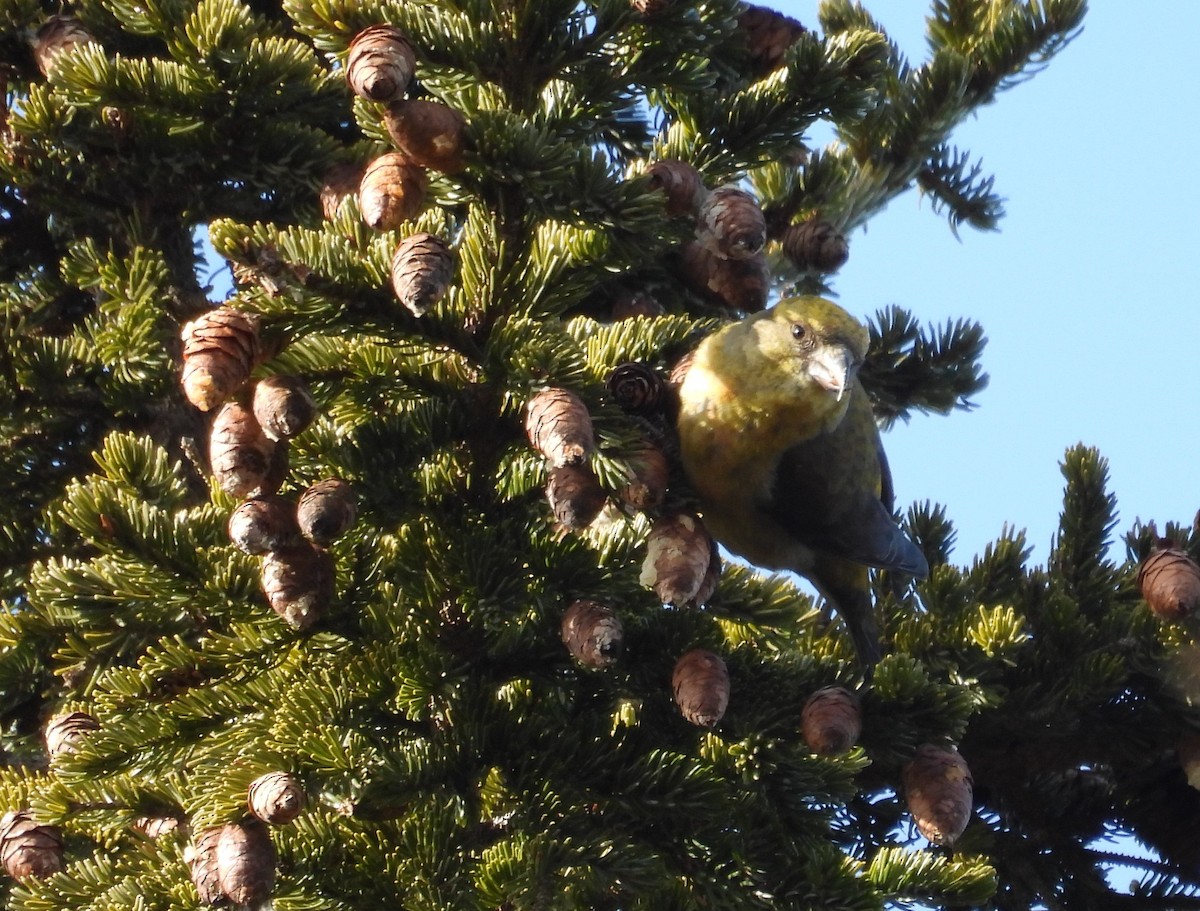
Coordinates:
(812, 341)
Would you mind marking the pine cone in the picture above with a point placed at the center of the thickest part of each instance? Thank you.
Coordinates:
(575, 496)
(422, 269)
(63, 733)
(740, 284)
(298, 583)
(649, 473)
(701, 687)
(326, 511)
(712, 575)
(220, 348)
(593, 633)
(380, 63)
(831, 721)
(682, 184)
(635, 306)
(559, 426)
(240, 454)
(277, 798)
(341, 183)
(155, 827)
(429, 133)
(58, 33)
(283, 406)
(815, 246)
(768, 36)
(939, 791)
(391, 192)
(1170, 582)
(263, 524)
(678, 553)
(246, 862)
(201, 858)
(731, 224)
(28, 849)
(637, 388)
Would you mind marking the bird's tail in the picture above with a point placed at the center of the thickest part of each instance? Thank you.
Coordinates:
(848, 586)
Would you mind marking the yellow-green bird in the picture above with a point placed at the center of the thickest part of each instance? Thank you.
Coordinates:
(779, 441)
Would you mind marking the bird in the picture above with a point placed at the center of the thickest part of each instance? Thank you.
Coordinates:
(779, 442)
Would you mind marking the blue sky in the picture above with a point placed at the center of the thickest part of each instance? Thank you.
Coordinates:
(1089, 292)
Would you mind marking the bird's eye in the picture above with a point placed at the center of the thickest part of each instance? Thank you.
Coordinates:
(799, 331)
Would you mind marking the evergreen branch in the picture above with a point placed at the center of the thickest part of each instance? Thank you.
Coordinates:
(960, 189)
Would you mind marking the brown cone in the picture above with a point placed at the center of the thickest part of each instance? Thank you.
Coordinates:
(341, 183)
(701, 687)
(740, 284)
(649, 473)
(28, 849)
(57, 34)
(201, 857)
(264, 523)
(768, 36)
(422, 269)
(277, 798)
(831, 721)
(559, 426)
(637, 388)
(64, 732)
(380, 63)
(712, 575)
(326, 511)
(939, 791)
(575, 496)
(678, 552)
(246, 862)
(220, 348)
(815, 246)
(430, 133)
(1170, 583)
(391, 192)
(731, 224)
(682, 184)
(593, 633)
(240, 454)
(635, 306)
(283, 406)
(298, 583)
(155, 827)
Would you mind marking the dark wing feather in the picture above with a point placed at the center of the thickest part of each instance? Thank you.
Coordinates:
(829, 492)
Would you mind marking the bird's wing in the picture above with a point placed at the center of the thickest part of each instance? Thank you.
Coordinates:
(829, 493)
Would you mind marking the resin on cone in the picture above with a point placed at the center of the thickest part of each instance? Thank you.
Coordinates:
(298, 583)
(678, 553)
(939, 790)
(559, 426)
(240, 454)
(220, 348)
(283, 406)
(593, 634)
(263, 524)
(731, 224)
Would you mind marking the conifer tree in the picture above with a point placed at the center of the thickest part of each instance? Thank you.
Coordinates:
(375, 582)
